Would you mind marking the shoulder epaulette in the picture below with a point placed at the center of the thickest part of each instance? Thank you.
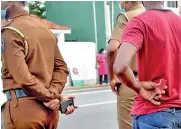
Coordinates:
(7, 23)
(21, 35)
(124, 15)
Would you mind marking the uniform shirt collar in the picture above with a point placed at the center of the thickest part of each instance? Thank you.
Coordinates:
(15, 12)
(162, 10)
(137, 6)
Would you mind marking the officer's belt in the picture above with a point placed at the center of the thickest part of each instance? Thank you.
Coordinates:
(19, 94)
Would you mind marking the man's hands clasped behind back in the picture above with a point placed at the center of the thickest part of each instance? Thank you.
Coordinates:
(55, 104)
(153, 92)
(149, 90)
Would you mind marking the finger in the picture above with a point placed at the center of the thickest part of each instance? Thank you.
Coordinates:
(157, 94)
(155, 102)
(160, 92)
(113, 89)
(55, 104)
(151, 95)
(68, 110)
(57, 107)
(72, 109)
(158, 97)
(153, 85)
(113, 83)
(165, 87)
(45, 104)
(48, 104)
(163, 92)
(67, 113)
(149, 86)
(53, 107)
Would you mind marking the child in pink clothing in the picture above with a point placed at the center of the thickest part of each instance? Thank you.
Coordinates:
(102, 70)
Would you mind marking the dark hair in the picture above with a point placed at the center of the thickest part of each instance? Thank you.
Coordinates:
(102, 49)
(23, 2)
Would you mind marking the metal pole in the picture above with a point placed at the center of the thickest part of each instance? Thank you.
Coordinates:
(107, 20)
(95, 25)
(112, 15)
(95, 32)
(165, 3)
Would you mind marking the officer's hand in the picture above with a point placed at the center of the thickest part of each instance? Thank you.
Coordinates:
(114, 85)
(53, 104)
(70, 109)
(151, 92)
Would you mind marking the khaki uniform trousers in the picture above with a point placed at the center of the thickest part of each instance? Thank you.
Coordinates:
(124, 104)
(28, 113)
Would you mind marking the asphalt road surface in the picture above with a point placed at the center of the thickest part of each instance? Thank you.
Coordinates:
(97, 109)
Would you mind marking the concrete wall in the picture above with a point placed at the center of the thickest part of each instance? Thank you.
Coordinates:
(79, 17)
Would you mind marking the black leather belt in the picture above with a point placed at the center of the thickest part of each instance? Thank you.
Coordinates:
(19, 94)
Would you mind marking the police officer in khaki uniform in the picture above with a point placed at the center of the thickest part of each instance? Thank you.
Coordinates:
(33, 72)
(125, 95)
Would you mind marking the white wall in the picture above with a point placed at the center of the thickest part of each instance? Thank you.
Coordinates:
(80, 55)
(60, 34)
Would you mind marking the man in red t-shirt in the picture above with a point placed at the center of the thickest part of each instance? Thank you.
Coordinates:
(155, 36)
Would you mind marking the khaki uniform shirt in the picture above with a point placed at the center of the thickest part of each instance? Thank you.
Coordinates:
(43, 73)
(122, 20)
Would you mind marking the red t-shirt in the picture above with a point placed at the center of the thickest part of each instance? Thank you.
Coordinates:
(157, 36)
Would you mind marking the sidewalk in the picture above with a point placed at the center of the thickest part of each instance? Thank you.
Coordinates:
(84, 86)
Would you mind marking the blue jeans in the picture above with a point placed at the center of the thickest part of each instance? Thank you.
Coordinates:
(166, 119)
(105, 79)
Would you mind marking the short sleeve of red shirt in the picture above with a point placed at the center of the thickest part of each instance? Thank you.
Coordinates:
(134, 33)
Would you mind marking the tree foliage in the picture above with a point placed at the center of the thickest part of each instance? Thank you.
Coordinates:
(37, 8)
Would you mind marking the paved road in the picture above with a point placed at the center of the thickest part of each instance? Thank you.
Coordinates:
(97, 110)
